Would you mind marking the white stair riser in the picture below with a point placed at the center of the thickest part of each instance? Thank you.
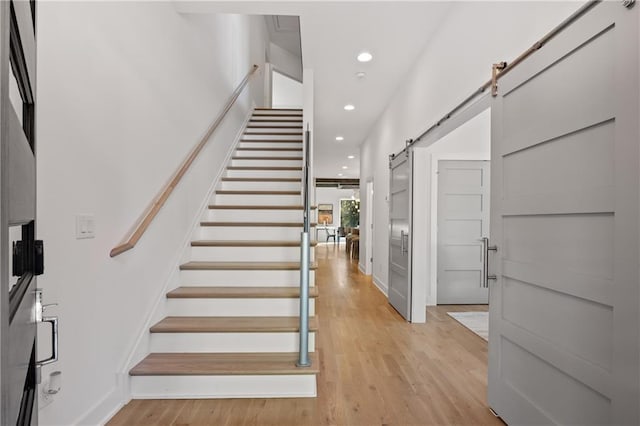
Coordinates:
(265, 152)
(267, 145)
(262, 215)
(241, 307)
(268, 121)
(267, 163)
(257, 200)
(265, 173)
(260, 185)
(235, 254)
(275, 112)
(247, 233)
(227, 342)
(218, 278)
(274, 386)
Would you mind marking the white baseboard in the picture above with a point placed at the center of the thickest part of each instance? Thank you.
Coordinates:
(381, 285)
(361, 268)
(104, 410)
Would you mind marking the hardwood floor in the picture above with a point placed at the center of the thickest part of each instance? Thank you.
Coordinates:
(375, 369)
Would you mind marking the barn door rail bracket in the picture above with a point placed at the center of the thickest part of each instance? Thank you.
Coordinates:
(496, 69)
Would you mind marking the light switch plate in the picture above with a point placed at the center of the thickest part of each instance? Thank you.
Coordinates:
(85, 227)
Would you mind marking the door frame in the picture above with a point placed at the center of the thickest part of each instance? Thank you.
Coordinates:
(368, 226)
(425, 217)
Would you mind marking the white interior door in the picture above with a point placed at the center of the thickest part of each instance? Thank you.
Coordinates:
(463, 219)
(399, 234)
(563, 331)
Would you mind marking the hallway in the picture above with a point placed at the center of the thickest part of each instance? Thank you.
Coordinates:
(376, 369)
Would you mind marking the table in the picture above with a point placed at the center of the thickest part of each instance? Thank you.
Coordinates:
(326, 229)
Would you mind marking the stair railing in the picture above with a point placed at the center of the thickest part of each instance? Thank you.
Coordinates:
(303, 359)
(142, 224)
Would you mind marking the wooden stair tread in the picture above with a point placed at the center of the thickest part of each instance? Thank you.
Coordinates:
(272, 133)
(248, 243)
(260, 179)
(276, 109)
(274, 120)
(231, 325)
(252, 207)
(256, 207)
(248, 157)
(223, 364)
(254, 192)
(275, 168)
(269, 114)
(239, 293)
(298, 142)
(243, 266)
(269, 149)
(272, 126)
(257, 224)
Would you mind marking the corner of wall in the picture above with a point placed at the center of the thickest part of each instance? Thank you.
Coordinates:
(381, 285)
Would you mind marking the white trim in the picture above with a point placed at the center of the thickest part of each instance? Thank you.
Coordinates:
(368, 226)
(458, 119)
(384, 289)
(104, 409)
(361, 268)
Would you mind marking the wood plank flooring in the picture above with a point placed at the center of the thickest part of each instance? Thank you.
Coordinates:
(375, 369)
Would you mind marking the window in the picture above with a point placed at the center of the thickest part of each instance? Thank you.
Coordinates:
(350, 213)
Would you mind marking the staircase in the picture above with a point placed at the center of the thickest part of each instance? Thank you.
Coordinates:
(231, 328)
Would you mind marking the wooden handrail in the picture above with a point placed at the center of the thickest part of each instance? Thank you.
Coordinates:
(143, 222)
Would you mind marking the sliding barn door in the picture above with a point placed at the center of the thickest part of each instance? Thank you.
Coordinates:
(563, 342)
(399, 233)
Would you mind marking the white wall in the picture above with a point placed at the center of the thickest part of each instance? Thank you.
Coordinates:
(454, 64)
(285, 62)
(287, 93)
(125, 89)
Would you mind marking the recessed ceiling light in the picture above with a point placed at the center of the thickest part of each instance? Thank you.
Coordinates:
(365, 57)
(340, 174)
(351, 157)
(344, 167)
(361, 74)
(339, 138)
(349, 107)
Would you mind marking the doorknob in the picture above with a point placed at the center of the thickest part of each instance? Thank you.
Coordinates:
(485, 275)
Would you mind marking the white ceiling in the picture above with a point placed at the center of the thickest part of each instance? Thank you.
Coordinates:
(333, 33)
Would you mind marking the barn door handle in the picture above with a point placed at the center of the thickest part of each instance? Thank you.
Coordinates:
(404, 246)
(485, 255)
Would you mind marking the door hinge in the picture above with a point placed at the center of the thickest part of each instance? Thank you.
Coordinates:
(628, 3)
(495, 71)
